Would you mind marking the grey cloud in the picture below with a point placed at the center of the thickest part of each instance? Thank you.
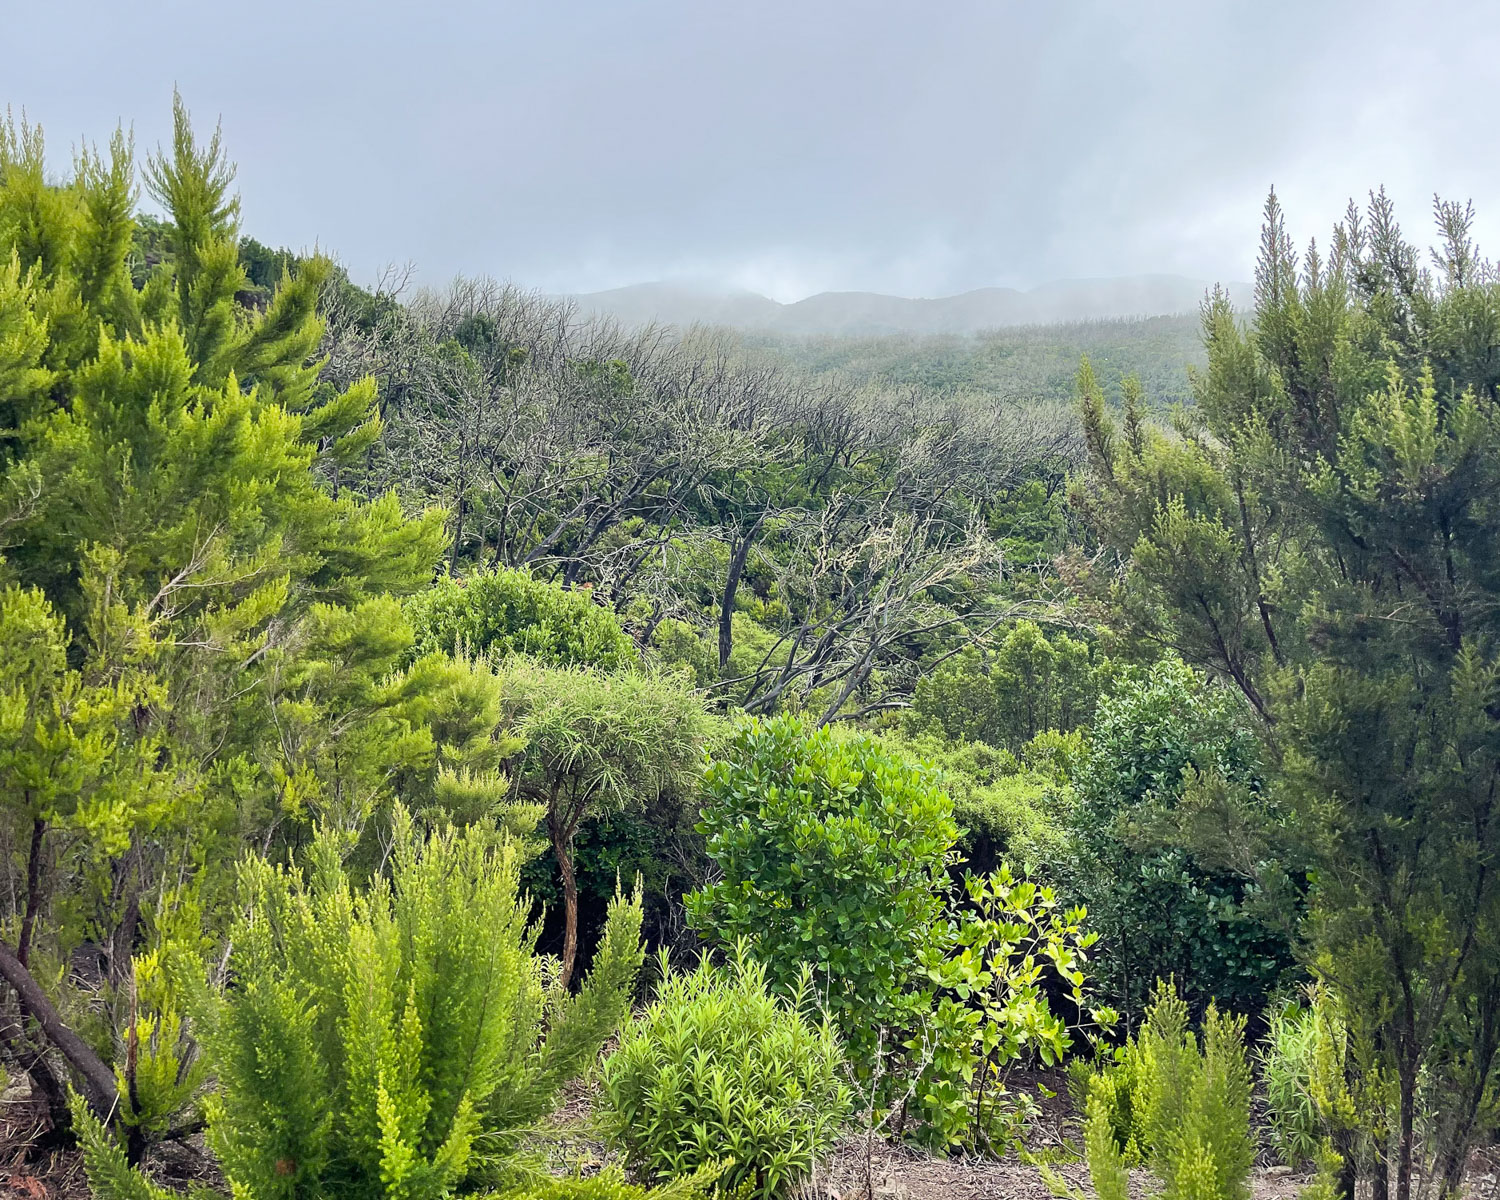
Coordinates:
(917, 148)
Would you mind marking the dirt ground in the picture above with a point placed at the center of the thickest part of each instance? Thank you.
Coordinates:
(858, 1169)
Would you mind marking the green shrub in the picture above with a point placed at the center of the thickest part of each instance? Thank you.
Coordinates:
(608, 1184)
(1185, 1103)
(719, 1068)
(1009, 976)
(388, 1042)
(1159, 912)
(834, 853)
(507, 611)
(1286, 1072)
(1032, 681)
(1008, 806)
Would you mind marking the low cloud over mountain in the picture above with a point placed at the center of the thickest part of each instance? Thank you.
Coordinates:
(867, 313)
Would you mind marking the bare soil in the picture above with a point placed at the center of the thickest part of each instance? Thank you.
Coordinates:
(859, 1168)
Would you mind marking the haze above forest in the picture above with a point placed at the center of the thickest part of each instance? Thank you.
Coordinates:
(866, 313)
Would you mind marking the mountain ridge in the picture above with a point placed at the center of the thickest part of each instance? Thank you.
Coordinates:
(855, 313)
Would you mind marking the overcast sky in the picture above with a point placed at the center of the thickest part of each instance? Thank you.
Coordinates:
(920, 148)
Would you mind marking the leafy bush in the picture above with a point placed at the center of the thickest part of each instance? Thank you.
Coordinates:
(1161, 914)
(1008, 806)
(388, 1042)
(834, 853)
(1185, 1104)
(506, 611)
(718, 1068)
(1286, 1072)
(1012, 961)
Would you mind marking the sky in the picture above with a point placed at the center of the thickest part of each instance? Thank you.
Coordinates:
(917, 148)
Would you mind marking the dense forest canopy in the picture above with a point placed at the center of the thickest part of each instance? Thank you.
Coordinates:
(381, 670)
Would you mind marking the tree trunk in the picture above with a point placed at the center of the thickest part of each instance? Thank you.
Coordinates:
(1380, 1171)
(1348, 1175)
(562, 848)
(1406, 1147)
(98, 1079)
(33, 890)
(458, 531)
(737, 558)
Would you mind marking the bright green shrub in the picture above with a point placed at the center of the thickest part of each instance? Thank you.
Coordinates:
(507, 611)
(1286, 1072)
(388, 1043)
(1008, 806)
(719, 1068)
(834, 855)
(1186, 1101)
(608, 1184)
(1010, 978)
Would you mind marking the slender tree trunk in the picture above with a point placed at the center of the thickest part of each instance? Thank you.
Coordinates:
(98, 1079)
(1380, 1177)
(1406, 1147)
(1348, 1169)
(458, 532)
(33, 890)
(737, 559)
(560, 825)
(564, 854)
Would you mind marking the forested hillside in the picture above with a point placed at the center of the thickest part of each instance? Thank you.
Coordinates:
(1025, 365)
(383, 673)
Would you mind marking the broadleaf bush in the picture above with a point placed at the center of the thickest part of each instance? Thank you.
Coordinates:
(719, 1068)
(834, 854)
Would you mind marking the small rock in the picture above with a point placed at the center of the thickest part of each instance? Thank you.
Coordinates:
(17, 1090)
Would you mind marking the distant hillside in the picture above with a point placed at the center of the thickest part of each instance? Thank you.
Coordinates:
(1030, 363)
(870, 314)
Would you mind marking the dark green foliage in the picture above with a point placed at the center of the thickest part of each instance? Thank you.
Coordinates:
(718, 1068)
(834, 853)
(1324, 534)
(1160, 913)
(507, 611)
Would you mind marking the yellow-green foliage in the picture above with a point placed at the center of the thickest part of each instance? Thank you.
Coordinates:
(1188, 1110)
(385, 1043)
(719, 1068)
(1286, 1069)
(608, 1184)
(506, 611)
